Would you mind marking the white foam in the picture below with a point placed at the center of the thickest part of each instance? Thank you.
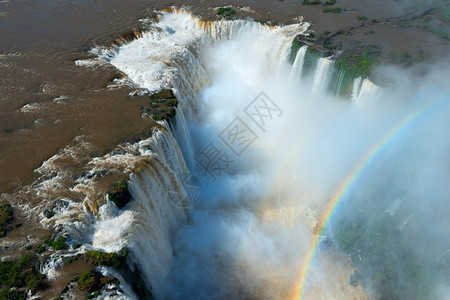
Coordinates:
(29, 107)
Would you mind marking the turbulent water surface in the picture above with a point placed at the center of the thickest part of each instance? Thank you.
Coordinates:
(273, 181)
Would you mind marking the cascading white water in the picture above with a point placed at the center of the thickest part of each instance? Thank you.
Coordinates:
(186, 72)
(322, 75)
(356, 89)
(368, 91)
(249, 234)
(364, 90)
(161, 201)
(297, 66)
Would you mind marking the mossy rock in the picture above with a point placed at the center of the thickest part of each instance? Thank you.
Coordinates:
(6, 217)
(120, 194)
(171, 102)
(157, 116)
(89, 281)
(19, 274)
(98, 258)
(163, 94)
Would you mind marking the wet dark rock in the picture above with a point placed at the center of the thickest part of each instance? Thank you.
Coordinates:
(48, 213)
(120, 194)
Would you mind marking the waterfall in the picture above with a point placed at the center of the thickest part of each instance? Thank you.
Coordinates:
(364, 91)
(369, 92)
(160, 206)
(356, 89)
(216, 70)
(172, 55)
(297, 66)
(322, 74)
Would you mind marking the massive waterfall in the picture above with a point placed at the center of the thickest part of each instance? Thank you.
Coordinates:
(256, 226)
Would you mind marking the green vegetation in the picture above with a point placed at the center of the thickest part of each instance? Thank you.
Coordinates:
(76, 246)
(361, 18)
(311, 58)
(330, 2)
(157, 116)
(98, 258)
(93, 295)
(40, 249)
(28, 247)
(313, 2)
(120, 194)
(437, 31)
(88, 281)
(171, 112)
(92, 282)
(19, 275)
(162, 94)
(6, 217)
(225, 11)
(335, 10)
(60, 243)
(68, 261)
(162, 105)
(17, 225)
(382, 256)
(353, 64)
(358, 63)
(171, 102)
(295, 46)
(7, 130)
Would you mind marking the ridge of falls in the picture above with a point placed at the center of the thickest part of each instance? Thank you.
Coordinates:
(256, 216)
(171, 54)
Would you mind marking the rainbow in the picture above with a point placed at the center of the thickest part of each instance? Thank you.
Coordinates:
(344, 187)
